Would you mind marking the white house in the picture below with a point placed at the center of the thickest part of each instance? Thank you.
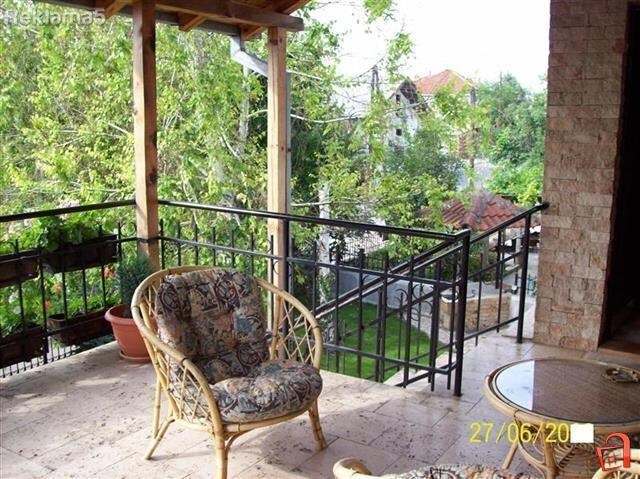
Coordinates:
(412, 96)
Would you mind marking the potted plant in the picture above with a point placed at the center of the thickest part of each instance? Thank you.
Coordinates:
(77, 306)
(130, 275)
(79, 325)
(73, 243)
(21, 346)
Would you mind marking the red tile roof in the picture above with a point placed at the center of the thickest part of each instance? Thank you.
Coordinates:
(430, 84)
(485, 211)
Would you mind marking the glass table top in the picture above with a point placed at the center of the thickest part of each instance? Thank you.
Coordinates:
(570, 390)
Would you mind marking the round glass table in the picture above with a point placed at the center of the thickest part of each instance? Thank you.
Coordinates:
(545, 396)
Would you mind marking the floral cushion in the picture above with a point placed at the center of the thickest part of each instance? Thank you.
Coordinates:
(459, 472)
(214, 317)
(275, 389)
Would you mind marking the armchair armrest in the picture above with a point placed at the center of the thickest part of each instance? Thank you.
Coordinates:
(187, 389)
(296, 333)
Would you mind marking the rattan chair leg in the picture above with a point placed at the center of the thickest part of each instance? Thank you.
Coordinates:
(549, 460)
(157, 438)
(510, 455)
(315, 426)
(222, 452)
(156, 408)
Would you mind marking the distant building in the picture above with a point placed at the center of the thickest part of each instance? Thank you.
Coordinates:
(406, 119)
(429, 85)
(484, 211)
(413, 96)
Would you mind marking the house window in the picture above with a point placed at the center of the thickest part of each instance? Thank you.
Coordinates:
(398, 131)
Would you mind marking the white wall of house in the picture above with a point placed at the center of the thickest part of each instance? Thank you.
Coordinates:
(404, 122)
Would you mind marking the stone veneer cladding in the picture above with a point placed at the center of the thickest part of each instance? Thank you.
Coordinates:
(587, 42)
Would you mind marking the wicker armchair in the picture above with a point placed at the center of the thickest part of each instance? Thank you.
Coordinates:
(219, 368)
(351, 468)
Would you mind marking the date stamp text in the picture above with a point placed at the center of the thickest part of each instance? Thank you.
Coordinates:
(484, 432)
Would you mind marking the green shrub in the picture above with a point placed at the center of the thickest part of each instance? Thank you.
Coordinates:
(130, 274)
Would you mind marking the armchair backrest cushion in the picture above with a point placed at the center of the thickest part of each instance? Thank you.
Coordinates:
(215, 317)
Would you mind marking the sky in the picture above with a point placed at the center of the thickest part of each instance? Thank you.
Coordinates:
(477, 38)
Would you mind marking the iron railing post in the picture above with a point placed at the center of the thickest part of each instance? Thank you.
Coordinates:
(461, 313)
(523, 278)
(407, 339)
(286, 232)
(435, 324)
(360, 312)
(379, 313)
(382, 343)
(337, 337)
(162, 245)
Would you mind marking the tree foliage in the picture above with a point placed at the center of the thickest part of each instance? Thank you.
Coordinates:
(426, 154)
(517, 120)
(67, 123)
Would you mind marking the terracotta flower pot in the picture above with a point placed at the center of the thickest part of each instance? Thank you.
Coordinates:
(132, 346)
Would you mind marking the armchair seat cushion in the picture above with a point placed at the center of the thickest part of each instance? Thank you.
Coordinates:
(274, 389)
(215, 318)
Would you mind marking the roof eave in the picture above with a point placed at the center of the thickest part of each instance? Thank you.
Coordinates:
(233, 27)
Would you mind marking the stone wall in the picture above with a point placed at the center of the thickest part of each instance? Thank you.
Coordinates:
(587, 42)
(490, 305)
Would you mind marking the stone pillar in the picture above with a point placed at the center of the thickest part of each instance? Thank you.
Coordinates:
(587, 42)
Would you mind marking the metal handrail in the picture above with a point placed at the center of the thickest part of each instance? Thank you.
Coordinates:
(70, 209)
(455, 245)
(316, 220)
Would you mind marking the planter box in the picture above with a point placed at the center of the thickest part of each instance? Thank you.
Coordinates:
(82, 327)
(20, 347)
(89, 254)
(16, 268)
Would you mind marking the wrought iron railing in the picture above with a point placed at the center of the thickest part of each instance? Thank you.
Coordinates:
(387, 314)
(366, 332)
(53, 300)
(390, 309)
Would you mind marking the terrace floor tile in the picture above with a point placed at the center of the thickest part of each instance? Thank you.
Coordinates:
(90, 416)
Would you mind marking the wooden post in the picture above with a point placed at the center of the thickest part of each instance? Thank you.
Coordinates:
(145, 128)
(277, 181)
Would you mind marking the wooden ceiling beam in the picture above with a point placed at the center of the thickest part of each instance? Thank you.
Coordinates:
(231, 12)
(225, 16)
(110, 7)
(187, 21)
(281, 6)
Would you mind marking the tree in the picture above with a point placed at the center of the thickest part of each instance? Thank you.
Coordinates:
(517, 135)
(522, 182)
(425, 155)
(66, 123)
(517, 118)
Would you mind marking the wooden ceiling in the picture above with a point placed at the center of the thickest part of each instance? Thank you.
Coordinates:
(245, 18)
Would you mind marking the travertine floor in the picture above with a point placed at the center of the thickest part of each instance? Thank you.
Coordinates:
(89, 416)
